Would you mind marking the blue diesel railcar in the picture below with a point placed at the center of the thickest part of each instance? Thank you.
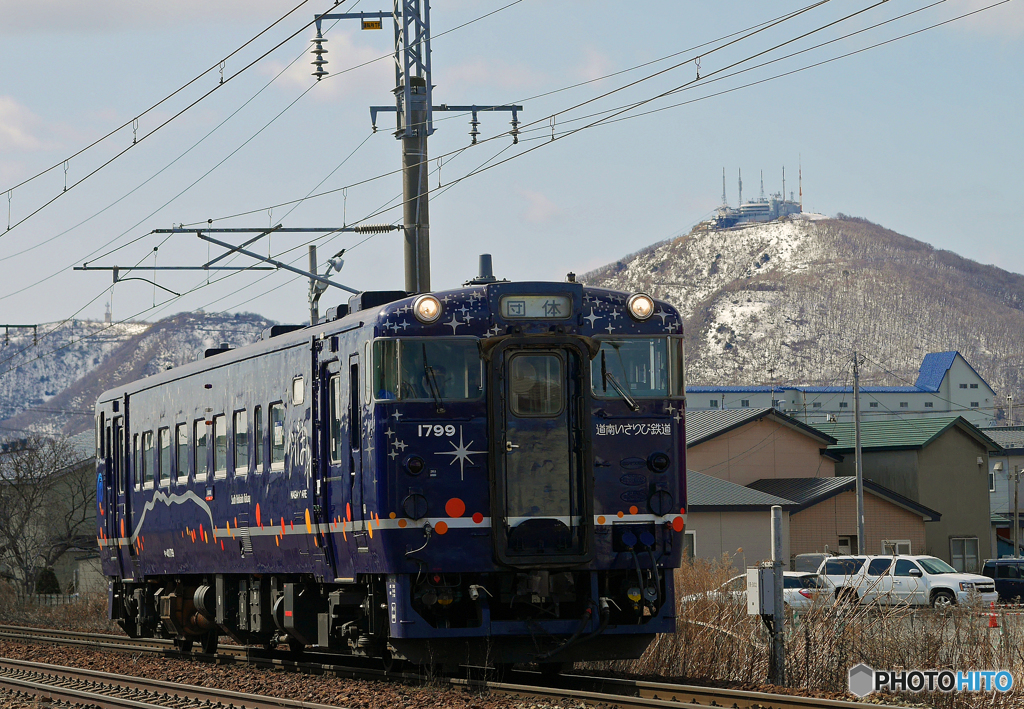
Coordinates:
(491, 473)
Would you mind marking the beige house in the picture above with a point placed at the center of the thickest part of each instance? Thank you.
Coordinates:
(742, 461)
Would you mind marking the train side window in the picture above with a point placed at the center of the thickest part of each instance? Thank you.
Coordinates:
(335, 408)
(385, 369)
(99, 434)
(220, 447)
(367, 380)
(136, 462)
(163, 471)
(181, 452)
(678, 373)
(241, 443)
(147, 460)
(119, 454)
(202, 461)
(277, 436)
(257, 438)
(355, 417)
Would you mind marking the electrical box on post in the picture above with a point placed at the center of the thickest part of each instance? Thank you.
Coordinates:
(761, 591)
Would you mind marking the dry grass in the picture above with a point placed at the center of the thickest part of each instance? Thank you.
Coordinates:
(87, 614)
(717, 642)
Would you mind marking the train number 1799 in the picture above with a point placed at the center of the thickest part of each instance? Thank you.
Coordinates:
(427, 429)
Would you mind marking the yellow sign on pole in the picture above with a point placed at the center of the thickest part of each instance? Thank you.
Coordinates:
(373, 25)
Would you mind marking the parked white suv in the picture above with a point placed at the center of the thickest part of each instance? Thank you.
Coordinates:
(910, 580)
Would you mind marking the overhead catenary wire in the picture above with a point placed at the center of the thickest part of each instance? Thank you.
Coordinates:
(598, 122)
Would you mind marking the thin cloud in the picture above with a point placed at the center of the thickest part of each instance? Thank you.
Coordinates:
(1004, 22)
(19, 127)
(539, 209)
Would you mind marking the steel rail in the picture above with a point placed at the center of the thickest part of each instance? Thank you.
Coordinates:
(625, 693)
(41, 678)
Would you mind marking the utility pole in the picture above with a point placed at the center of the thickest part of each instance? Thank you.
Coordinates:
(414, 119)
(857, 454)
(1016, 512)
(778, 611)
(1009, 406)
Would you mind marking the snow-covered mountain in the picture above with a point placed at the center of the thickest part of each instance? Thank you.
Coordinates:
(50, 382)
(790, 300)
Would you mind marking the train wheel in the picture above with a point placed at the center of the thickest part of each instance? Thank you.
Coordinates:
(208, 643)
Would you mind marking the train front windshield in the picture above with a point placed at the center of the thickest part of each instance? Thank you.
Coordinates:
(637, 365)
(425, 370)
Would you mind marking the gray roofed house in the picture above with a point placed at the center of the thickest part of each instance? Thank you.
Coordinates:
(1004, 458)
(705, 425)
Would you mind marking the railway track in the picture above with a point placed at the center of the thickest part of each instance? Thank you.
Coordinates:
(614, 692)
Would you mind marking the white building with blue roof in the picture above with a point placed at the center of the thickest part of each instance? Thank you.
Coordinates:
(946, 384)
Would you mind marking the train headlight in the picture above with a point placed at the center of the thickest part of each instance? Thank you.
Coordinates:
(427, 309)
(641, 306)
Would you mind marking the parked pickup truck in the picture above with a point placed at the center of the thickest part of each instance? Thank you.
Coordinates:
(909, 580)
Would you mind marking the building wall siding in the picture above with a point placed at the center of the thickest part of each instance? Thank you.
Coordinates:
(822, 524)
(745, 536)
(761, 449)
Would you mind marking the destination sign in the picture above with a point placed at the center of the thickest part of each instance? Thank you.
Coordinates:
(373, 25)
(536, 307)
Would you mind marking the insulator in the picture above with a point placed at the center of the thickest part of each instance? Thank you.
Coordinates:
(318, 50)
(515, 131)
(473, 132)
(374, 228)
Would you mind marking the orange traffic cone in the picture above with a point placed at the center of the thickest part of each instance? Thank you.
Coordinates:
(992, 622)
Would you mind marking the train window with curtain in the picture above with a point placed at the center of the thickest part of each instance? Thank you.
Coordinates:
(147, 459)
(257, 438)
(277, 436)
(163, 470)
(535, 385)
(335, 407)
(220, 447)
(202, 462)
(241, 442)
(181, 451)
(119, 468)
(638, 366)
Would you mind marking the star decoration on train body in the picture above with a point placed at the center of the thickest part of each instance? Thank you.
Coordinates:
(461, 454)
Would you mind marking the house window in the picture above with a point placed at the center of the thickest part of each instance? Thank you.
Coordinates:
(974, 404)
(904, 404)
(816, 405)
(896, 546)
(963, 554)
(714, 403)
(844, 405)
(689, 544)
(202, 463)
(991, 481)
(220, 447)
(776, 402)
(873, 404)
(181, 451)
(974, 386)
(929, 405)
(963, 386)
(745, 402)
(241, 443)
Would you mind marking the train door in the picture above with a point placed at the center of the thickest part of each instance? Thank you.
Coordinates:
(541, 496)
(118, 511)
(355, 446)
(332, 483)
(106, 496)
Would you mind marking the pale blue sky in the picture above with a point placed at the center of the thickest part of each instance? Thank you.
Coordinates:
(922, 136)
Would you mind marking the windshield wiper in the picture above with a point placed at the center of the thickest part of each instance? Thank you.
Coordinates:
(435, 391)
(609, 378)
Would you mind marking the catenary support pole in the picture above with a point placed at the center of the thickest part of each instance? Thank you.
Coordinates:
(778, 612)
(1016, 512)
(861, 546)
(314, 302)
(416, 216)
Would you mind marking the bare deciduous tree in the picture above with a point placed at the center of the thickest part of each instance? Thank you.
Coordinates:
(47, 505)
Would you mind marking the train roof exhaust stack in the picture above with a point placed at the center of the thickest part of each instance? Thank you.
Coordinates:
(486, 272)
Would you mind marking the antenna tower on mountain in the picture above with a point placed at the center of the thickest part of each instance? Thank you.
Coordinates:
(741, 186)
(762, 185)
(725, 202)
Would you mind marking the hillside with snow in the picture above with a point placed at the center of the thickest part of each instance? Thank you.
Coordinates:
(50, 383)
(789, 301)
